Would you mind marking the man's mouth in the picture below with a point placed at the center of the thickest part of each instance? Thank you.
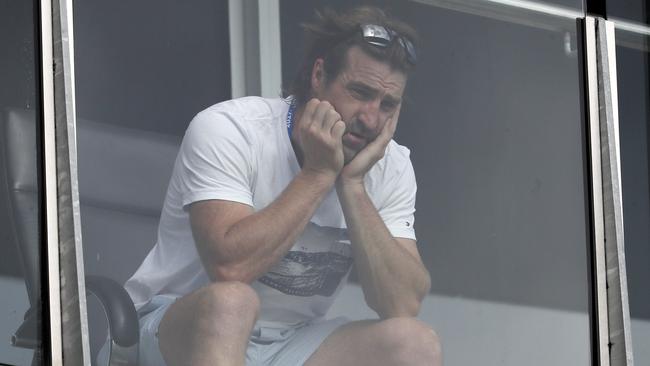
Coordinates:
(354, 140)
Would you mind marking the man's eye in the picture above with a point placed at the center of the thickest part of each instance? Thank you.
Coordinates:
(360, 93)
(388, 106)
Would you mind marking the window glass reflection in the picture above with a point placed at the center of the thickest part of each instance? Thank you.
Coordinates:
(492, 120)
(149, 66)
(633, 96)
(493, 123)
(143, 70)
(629, 10)
(20, 234)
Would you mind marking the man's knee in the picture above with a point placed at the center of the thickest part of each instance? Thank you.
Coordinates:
(206, 317)
(411, 342)
(228, 299)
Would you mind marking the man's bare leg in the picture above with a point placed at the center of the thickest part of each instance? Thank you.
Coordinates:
(210, 326)
(395, 341)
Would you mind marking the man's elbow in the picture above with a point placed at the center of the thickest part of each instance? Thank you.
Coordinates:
(403, 309)
(230, 273)
(425, 288)
(406, 306)
(221, 263)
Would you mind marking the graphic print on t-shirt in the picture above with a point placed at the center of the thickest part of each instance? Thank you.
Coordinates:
(315, 266)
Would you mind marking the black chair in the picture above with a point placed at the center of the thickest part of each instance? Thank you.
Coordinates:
(123, 175)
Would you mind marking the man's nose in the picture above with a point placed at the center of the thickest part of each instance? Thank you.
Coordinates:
(370, 115)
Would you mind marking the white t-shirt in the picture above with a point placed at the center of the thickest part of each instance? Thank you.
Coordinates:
(239, 150)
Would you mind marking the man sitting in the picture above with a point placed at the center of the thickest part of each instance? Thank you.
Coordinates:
(271, 202)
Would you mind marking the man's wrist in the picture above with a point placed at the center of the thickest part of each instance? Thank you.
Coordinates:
(350, 187)
(316, 177)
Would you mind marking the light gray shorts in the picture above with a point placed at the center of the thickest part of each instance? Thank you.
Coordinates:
(266, 347)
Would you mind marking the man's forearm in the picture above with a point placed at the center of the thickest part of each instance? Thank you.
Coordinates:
(394, 281)
(246, 248)
(251, 246)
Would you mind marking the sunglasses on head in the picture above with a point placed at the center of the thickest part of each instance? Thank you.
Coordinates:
(381, 36)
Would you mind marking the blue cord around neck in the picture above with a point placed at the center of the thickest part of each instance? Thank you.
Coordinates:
(290, 114)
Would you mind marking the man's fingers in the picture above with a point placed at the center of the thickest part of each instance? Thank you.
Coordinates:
(308, 114)
(388, 131)
(321, 150)
(321, 114)
(391, 126)
(324, 117)
(331, 117)
(377, 147)
(338, 129)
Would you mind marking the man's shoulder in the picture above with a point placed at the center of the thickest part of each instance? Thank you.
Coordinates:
(396, 159)
(247, 117)
(395, 163)
(249, 108)
(398, 153)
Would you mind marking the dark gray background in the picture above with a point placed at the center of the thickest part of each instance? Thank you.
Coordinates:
(633, 77)
(150, 64)
(18, 89)
(630, 10)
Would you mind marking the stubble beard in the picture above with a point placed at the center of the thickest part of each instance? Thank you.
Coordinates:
(348, 154)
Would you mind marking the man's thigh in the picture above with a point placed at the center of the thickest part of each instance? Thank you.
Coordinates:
(268, 347)
(148, 348)
(296, 347)
(395, 341)
(209, 326)
(348, 344)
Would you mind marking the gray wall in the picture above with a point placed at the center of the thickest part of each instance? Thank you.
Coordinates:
(633, 78)
(634, 116)
(17, 90)
(18, 81)
(146, 65)
(150, 64)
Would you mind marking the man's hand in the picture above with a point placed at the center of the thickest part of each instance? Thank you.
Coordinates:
(354, 171)
(320, 132)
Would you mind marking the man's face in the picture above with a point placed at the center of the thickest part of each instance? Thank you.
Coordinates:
(367, 93)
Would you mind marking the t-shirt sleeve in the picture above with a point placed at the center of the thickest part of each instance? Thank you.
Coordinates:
(216, 160)
(398, 210)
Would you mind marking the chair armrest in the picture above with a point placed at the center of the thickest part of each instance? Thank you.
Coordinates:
(122, 317)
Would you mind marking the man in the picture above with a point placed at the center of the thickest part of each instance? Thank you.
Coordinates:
(270, 203)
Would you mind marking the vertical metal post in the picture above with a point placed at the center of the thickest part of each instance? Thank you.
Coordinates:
(614, 337)
(68, 319)
(255, 54)
(597, 193)
(620, 337)
(74, 319)
(270, 50)
(50, 189)
(244, 47)
(237, 51)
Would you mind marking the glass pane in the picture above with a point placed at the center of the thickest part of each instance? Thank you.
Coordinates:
(492, 119)
(570, 4)
(634, 114)
(20, 233)
(150, 66)
(143, 70)
(629, 10)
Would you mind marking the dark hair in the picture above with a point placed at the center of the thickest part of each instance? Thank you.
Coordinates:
(332, 34)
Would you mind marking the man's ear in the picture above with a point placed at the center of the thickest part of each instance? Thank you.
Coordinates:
(318, 75)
